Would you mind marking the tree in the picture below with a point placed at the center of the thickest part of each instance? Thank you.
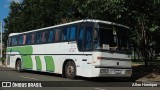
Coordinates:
(142, 16)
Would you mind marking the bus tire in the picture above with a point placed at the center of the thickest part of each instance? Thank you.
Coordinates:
(70, 70)
(18, 66)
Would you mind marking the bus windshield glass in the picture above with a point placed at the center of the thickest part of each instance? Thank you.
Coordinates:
(110, 37)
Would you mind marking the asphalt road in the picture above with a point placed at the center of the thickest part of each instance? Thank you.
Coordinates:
(80, 83)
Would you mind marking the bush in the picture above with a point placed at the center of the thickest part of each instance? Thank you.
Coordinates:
(2, 60)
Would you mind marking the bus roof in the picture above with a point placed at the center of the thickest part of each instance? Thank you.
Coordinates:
(79, 21)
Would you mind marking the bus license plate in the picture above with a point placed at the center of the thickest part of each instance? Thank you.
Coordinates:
(118, 72)
(114, 71)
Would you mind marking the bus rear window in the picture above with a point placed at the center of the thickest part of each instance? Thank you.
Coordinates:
(20, 40)
(14, 40)
(9, 42)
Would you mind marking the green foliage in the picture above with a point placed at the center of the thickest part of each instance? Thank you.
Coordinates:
(142, 16)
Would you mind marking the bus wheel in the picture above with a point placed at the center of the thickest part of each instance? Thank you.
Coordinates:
(70, 70)
(18, 66)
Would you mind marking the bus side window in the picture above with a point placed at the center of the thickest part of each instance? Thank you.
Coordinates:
(50, 36)
(24, 39)
(58, 35)
(46, 36)
(72, 33)
(9, 41)
(28, 41)
(88, 38)
(14, 40)
(80, 39)
(32, 38)
(65, 33)
(38, 37)
(43, 37)
(20, 42)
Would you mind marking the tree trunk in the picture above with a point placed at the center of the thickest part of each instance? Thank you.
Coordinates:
(134, 53)
(146, 61)
(144, 43)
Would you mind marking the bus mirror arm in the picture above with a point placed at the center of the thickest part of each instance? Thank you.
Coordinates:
(71, 42)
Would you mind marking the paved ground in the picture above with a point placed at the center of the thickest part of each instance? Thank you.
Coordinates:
(7, 74)
(152, 73)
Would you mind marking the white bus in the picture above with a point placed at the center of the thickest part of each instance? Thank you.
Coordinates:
(87, 48)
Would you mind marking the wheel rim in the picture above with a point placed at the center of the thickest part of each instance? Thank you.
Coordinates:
(70, 70)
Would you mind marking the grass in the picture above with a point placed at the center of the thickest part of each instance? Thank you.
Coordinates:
(153, 66)
(2, 59)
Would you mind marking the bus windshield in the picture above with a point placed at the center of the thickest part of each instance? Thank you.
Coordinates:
(109, 37)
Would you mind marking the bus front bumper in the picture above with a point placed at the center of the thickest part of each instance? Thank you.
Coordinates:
(112, 72)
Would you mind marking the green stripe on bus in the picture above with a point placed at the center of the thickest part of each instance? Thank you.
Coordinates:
(26, 59)
(38, 63)
(50, 66)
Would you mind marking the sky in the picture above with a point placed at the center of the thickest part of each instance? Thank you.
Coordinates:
(4, 8)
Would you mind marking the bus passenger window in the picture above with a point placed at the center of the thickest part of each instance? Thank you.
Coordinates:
(51, 36)
(46, 36)
(32, 38)
(38, 37)
(72, 33)
(58, 35)
(24, 39)
(80, 39)
(65, 33)
(9, 42)
(88, 38)
(14, 40)
(28, 41)
(43, 37)
(20, 40)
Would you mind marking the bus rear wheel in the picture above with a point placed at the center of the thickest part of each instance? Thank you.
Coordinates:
(70, 70)
(18, 66)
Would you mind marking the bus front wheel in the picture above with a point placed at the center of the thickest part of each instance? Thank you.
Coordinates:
(70, 70)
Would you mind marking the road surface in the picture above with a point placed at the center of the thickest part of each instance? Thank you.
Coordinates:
(81, 83)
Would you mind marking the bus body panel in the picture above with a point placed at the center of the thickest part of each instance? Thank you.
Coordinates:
(111, 59)
(111, 64)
